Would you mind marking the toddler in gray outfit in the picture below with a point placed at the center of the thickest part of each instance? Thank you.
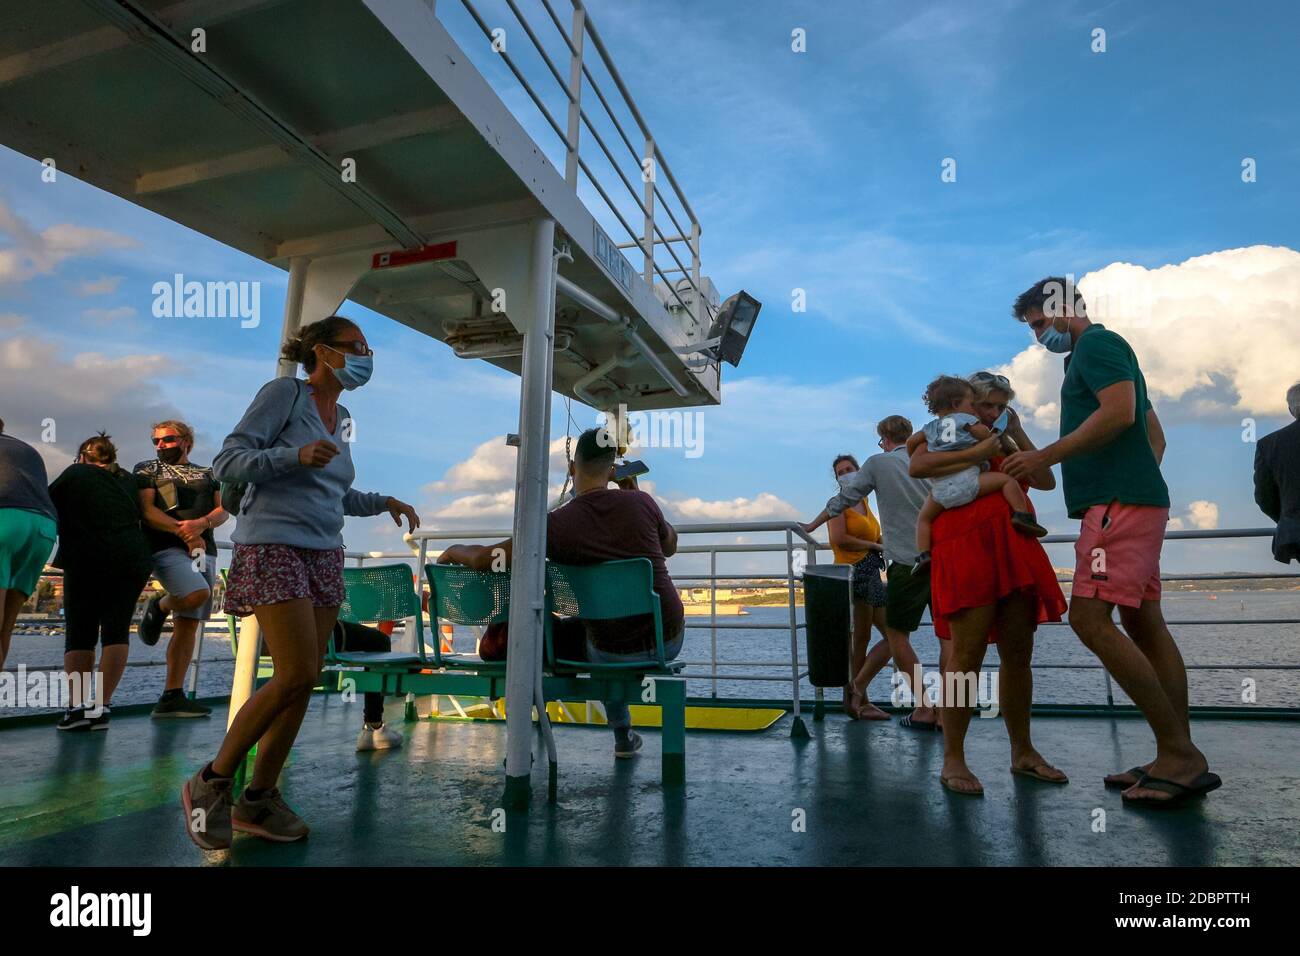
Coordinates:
(956, 428)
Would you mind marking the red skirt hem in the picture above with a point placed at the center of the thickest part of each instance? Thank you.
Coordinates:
(978, 558)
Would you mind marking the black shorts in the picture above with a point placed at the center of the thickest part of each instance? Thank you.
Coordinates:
(867, 584)
(98, 604)
(907, 596)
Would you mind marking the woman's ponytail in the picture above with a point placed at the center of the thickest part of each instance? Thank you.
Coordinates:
(301, 349)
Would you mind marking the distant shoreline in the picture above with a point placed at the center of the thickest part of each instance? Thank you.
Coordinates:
(1226, 584)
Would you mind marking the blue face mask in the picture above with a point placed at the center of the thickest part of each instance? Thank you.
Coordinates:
(356, 370)
(1055, 341)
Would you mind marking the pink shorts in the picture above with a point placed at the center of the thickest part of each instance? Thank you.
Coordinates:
(263, 574)
(1117, 556)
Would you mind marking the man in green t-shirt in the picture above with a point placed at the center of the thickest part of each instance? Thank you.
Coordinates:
(1110, 449)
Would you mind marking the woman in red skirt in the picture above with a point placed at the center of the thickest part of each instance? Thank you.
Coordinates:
(988, 584)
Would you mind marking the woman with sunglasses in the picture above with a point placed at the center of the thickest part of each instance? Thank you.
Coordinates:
(293, 449)
(989, 584)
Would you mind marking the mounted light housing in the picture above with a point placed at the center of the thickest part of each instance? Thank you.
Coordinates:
(733, 326)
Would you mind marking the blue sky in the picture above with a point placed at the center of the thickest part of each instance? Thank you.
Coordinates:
(817, 171)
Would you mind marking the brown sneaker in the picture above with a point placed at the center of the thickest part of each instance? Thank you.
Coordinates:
(1024, 522)
(268, 817)
(207, 811)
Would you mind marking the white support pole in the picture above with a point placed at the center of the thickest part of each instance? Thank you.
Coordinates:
(797, 726)
(575, 97)
(250, 633)
(292, 313)
(196, 658)
(648, 173)
(528, 562)
(701, 313)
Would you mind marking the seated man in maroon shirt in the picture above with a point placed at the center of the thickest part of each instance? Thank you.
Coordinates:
(603, 524)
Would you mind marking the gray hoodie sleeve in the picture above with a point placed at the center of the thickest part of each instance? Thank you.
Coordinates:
(852, 490)
(364, 504)
(245, 455)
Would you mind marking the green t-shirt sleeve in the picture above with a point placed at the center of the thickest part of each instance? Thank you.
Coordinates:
(1105, 360)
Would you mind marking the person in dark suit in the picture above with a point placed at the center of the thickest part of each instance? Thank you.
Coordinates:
(1277, 481)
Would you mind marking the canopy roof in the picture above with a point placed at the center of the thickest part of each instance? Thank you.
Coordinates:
(246, 142)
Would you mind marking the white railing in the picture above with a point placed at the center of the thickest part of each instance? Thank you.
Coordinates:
(796, 540)
(638, 172)
(799, 549)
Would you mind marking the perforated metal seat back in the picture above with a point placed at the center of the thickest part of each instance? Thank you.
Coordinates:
(597, 592)
(382, 593)
(461, 595)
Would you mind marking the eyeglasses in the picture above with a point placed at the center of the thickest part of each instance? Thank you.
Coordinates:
(1001, 380)
(167, 440)
(355, 347)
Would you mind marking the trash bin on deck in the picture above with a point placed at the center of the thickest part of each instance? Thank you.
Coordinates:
(828, 615)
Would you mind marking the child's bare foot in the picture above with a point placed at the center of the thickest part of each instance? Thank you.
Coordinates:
(1025, 523)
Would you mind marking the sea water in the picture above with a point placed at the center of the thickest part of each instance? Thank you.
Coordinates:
(1207, 643)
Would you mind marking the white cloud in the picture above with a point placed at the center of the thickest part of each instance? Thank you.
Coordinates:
(81, 395)
(106, 285)
(492, 465)
(846, 275)
(498, 504)
(33, 253)
(1218, 336)
(488, 475)
(763, 507)
(1201, 516)
(105, 316)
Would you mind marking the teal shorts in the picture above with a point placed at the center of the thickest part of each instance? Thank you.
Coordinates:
(26, 540)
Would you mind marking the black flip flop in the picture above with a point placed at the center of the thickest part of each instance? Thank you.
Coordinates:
(1033, 773)
(911, 724)
(1138, 772)
(1179, 793)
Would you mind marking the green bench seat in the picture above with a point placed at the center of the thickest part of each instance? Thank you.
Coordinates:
(460, 595)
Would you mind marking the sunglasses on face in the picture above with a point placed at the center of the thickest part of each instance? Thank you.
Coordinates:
(350, 348)
(167, 440)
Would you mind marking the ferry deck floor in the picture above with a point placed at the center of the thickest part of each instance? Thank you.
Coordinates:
(869, 795)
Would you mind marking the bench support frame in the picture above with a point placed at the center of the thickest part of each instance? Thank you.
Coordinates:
(670, 695)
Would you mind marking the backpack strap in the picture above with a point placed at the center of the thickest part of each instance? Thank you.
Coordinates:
(297, 401)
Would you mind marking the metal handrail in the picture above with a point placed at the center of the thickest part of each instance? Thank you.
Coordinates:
(792, 531)
(652, 234)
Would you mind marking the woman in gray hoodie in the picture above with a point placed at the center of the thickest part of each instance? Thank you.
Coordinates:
(292, 448)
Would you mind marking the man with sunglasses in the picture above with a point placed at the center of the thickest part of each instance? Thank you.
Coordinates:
(181, 505)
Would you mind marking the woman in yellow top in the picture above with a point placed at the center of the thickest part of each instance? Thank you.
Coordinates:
(855, 540)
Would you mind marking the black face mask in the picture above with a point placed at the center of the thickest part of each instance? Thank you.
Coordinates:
(171, 455)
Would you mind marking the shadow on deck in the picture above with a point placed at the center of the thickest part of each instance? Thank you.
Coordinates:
(869, 793)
